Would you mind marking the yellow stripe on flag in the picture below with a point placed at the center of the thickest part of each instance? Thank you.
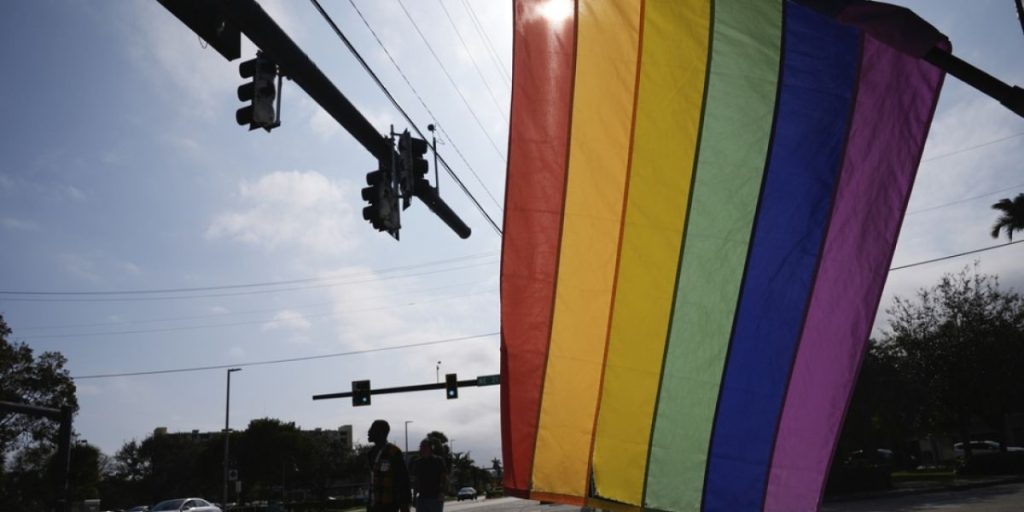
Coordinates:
(671, 89)
(606, 60)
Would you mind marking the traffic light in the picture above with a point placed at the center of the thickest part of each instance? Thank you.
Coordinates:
(260, 92)
(382, 211)
(413, 165)
(360, 393)
(451, 385)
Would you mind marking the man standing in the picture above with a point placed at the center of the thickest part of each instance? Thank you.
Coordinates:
(430, 478)
(389, 479)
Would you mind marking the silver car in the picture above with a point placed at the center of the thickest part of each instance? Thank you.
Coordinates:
(183, 504)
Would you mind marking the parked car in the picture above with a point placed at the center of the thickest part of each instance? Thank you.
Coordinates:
(466, 493)
(183, 504)
(876, 457)
(983, 447)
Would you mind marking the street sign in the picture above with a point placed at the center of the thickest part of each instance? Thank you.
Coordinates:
(488, 380)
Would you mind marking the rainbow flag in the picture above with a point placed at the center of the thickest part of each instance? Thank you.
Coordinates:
(703, 199)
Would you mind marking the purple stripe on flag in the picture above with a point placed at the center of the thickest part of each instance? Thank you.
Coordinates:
(895, 102)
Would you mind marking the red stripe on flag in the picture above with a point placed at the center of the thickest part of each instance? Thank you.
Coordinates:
(542, 82)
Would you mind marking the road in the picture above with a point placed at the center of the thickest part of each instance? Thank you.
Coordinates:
(505, 505)
(1000, 498)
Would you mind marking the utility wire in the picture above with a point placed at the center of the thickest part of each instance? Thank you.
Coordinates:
(458, 34)
(487, 43)
(251, 285)
(236, 294)
(956, 255)
(972, 148)
(943, 205)
(289, 360)
(303, 307)
(452, 81)
(415, 92)
(253, 322)
(402, 111)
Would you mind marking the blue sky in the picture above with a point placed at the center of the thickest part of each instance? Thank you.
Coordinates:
(124, 169)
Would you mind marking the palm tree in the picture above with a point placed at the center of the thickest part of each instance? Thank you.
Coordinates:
(1012, 217)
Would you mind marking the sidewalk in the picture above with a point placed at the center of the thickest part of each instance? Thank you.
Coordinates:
(926, 486)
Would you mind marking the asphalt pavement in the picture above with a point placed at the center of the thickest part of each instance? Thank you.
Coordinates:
(995, 498)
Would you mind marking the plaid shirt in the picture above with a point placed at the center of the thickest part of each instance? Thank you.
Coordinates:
(389, 479)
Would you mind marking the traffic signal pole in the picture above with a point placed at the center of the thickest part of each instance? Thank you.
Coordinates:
(62, 462)
(483, 380)
(265, 33)
(250, 19)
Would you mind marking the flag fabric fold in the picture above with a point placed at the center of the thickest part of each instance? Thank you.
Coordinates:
(702, 202)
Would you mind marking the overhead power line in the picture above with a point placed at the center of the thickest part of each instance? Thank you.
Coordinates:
(498, 63)
(264, 321)
(134, 298)
(228, 314)
(405, 115)
(153, 291)
(972, 148)
(415, 93)
(288, 360)
(964, 200)
(472, 58)
(957, 255)
(451, 80)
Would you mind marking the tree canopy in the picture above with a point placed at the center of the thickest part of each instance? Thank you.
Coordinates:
(35, 380)
(1011, 216)
(955, 350)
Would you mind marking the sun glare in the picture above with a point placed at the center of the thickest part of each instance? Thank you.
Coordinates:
(556, 11)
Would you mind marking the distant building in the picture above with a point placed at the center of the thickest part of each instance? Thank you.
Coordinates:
(342, 434)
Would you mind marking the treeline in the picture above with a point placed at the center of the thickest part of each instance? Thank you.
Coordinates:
(947, 369)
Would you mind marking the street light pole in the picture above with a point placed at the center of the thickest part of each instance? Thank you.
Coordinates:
(407, 422)
(227, 433)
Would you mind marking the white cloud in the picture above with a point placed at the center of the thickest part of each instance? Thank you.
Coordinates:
(80, 266)
(322, 124)
(171, 54)
(304, 212)
(288, 320)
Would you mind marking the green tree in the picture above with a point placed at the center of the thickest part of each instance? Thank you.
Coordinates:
(27, 443)
(29, 379)
(439, 443)
(963, 342)
(1011, 217)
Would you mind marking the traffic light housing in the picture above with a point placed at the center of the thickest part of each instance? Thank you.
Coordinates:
(360, 393)
(413, 165)
(382, 211)
(451, 386)
(260, 92)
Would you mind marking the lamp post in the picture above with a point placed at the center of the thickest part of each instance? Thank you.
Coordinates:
(227, 433)
(437, 371)
(407, 422)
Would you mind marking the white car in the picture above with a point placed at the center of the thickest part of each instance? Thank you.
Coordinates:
(983, 447)
(183, 504)
(466, 493)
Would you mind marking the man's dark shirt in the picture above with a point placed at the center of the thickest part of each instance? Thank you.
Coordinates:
(429, 474)
(389, 491)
